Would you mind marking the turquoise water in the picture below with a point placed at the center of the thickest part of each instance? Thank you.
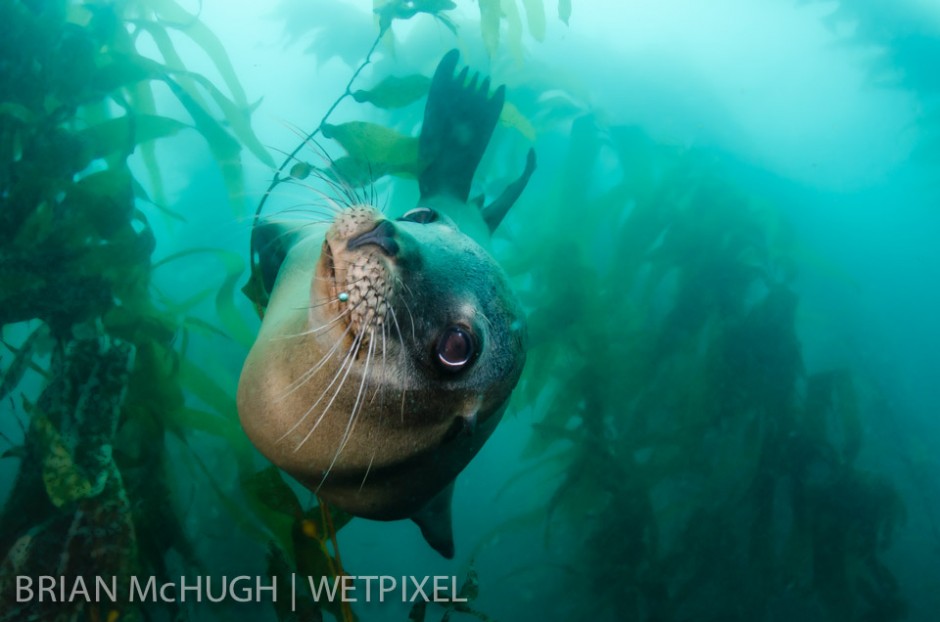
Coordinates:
(726, 254)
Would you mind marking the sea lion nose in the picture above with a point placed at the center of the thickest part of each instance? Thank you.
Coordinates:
(383, 236)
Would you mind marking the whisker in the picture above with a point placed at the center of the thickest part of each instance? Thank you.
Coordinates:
(401, 339)
(329, 279)
(297, 221)
(314, 331)
(414, 337)
(303, 210)
(368, 468)
(339, 184)
(347, 365)
(404, 391)
(322, 327)
(384, 384)
(310, 373)
(347, 434)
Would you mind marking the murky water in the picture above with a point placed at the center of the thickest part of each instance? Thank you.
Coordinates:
(726, 256)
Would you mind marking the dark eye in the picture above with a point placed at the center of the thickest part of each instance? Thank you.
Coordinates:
(455, 349)
(420, 215)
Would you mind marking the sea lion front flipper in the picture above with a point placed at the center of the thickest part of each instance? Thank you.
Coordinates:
(271, 242)
(459, 120)
(436, 523)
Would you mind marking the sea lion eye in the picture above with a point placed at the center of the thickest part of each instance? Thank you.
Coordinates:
(420, 215)
(454, 349)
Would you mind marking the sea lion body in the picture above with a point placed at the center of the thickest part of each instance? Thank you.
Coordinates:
(389, 348)
(417, 427)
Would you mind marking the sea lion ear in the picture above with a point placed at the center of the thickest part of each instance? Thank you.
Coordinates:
(436, 522)
(494, 212)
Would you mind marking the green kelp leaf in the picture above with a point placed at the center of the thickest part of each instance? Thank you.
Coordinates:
(490, 15)
(395, 92)
(182, 307)
(314, 560)
(470, 589)
(406, 9)
(289, 606)
(171, 58)
(268, 488)
(63, 478)
(274, 504)
(125, 70)
(105, 199)
(224, 148)
(141, 100)
(418, 611)
(141, 194)
(235, 510)
(210, 392)
(174, 16)
(231, 319)
(205, 327)
(372, 142)
(384, 148)
(238, 118)
(21, 361)
(18, 452)
(510, 12)
(511, 117)
(564, 11)
(15, 111)
(535, 15)
(358, 174)
(189, 419)
(122, 134)
(106, 183)
(301, 170)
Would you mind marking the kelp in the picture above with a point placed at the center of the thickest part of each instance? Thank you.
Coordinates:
(94, 493)
(468, 592)
(395, 92)
(666, 379)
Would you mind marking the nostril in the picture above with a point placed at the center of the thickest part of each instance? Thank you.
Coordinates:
(382, 235)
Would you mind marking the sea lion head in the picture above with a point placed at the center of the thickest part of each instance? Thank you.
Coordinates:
(445, 307)
(386, 357)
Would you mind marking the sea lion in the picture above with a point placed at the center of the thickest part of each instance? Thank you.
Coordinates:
(389, 348)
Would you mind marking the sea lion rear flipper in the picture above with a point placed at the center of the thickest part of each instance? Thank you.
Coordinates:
(459, 120)
(436, 522)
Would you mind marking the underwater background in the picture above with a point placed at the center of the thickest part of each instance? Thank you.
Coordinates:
(728, 256)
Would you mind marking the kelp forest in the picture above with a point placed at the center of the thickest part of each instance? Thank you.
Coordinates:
(685, 460)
